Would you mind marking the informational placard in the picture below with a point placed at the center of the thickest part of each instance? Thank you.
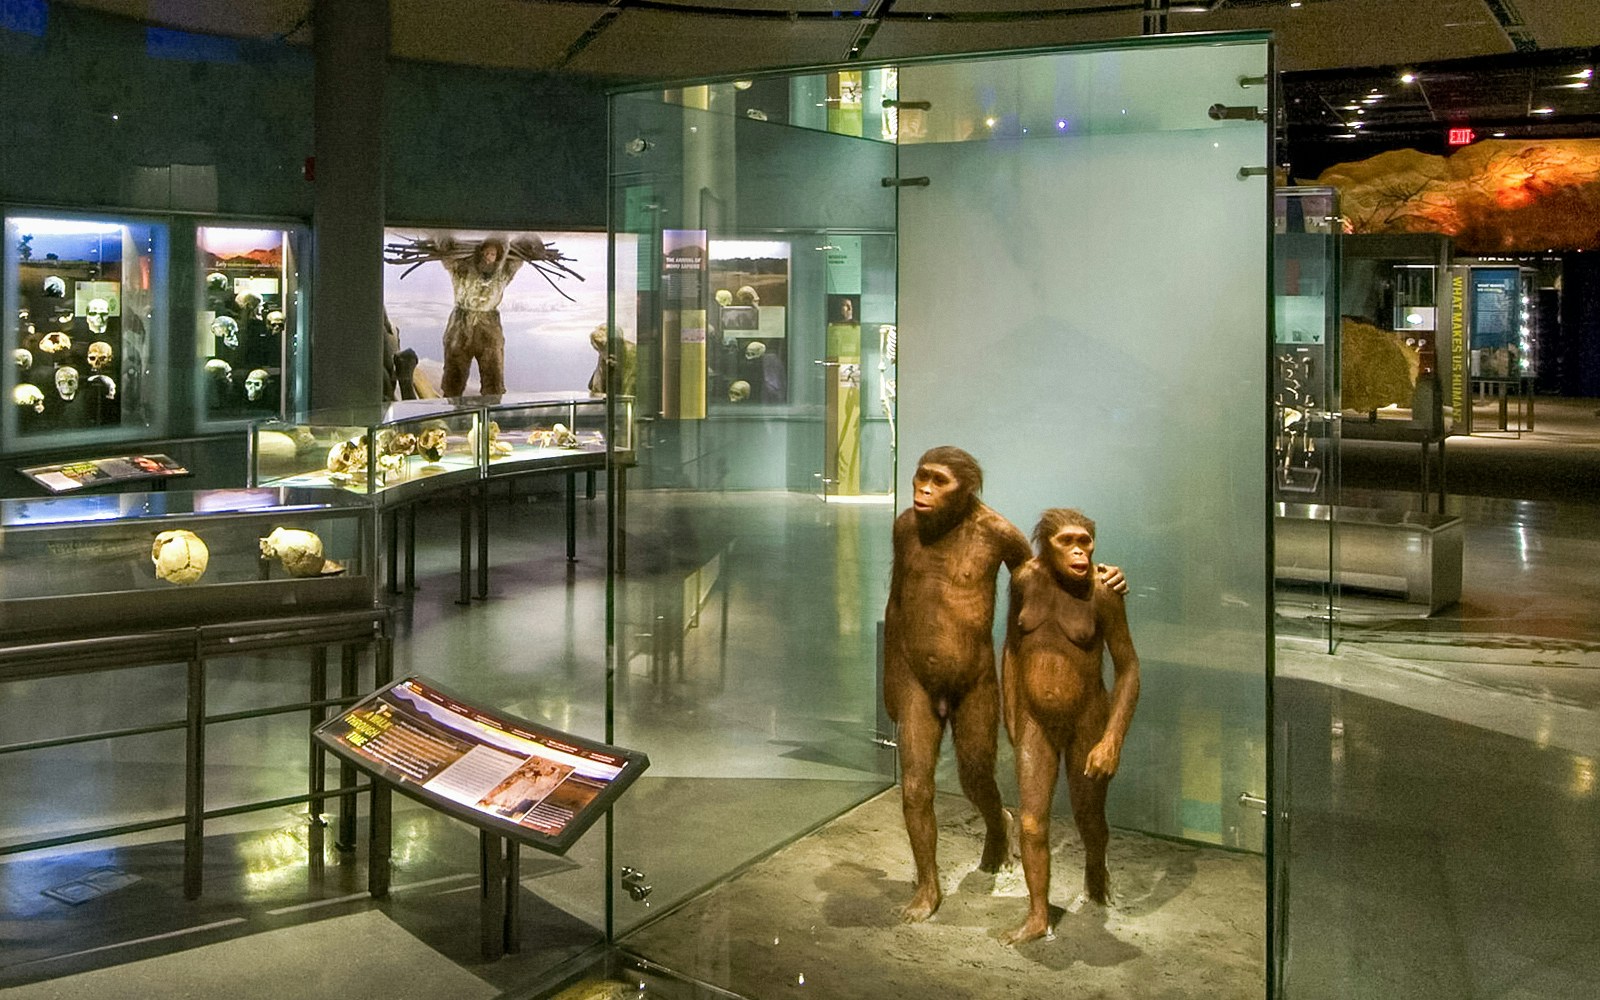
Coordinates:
(71, 476)
(513, 777)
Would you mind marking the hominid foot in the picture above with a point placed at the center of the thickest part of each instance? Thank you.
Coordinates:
(923, 903)
(1032, 929)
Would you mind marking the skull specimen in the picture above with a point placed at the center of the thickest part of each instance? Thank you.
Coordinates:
(348, 457)
(739, 391)
(97, 314)
(299, 551)
(431, 443)
(180, 556)
(67, 382)
(497, 447)
(23, 357)
(226, 330)
(99, 355)
(276, 322)
(105, 385)
(255, 384)
(55, 344)
(27, 394)
(55, 287)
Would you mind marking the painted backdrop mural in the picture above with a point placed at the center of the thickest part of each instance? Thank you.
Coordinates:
(546, 318)
(1495, 196)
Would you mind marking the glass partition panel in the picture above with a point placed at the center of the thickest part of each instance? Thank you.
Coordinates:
(744, 607)
(1305, 400)
(1083, 306)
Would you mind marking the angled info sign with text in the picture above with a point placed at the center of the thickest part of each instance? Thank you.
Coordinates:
(509, 776)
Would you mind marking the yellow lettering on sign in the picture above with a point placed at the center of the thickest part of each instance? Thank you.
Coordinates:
(1458, 343)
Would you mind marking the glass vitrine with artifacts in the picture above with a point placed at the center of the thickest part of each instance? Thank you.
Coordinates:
(85, 326)
(553, 427)
(369, 450)
(249, 318)
(99, 564)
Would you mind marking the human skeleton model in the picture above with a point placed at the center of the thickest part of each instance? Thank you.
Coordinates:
(479, 274)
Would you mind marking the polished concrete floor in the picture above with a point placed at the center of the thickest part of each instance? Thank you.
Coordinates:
(1438, 773)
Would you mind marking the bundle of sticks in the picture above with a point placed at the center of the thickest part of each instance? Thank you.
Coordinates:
(544, 257)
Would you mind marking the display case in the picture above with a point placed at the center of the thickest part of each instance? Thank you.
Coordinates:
(553, 428)
(376, 450)
(249, 314)
(96, 565)
(85, 320)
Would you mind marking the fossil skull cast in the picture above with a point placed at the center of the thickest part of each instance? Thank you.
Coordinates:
(100, 355)
(276, 322)
(55, 287)
(23, 357)
(28, 394)
(255, 384)
(398, 444)
(67, 382)
(55, 344)
(104, 384)
(97, 314)
(497, 447)
(348, 457)
(556, 437)
(431, 443)
(739, 391)
(299, 551)
(226, 330)
(180, 556)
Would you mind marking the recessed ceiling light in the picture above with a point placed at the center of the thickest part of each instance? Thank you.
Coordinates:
(1543, 111)
(1587, 74)
(1580, 85)
(1499, 135)
(1293, 4)
(1408, 78)
(1351, 107)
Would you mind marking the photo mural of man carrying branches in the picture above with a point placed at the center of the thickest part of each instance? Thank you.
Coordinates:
(479, 273)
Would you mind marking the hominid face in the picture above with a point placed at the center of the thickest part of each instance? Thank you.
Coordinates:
(1070, 552)
(933, 488)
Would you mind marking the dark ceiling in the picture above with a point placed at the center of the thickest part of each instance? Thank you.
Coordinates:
(1507, 66)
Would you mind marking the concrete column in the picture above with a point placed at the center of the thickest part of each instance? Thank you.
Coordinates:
(351, 50)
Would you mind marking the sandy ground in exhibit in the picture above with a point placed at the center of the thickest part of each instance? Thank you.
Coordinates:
(822, 917)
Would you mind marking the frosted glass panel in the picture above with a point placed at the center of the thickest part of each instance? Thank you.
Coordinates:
(1083, 306)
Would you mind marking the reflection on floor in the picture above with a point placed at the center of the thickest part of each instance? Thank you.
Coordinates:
(824, 915)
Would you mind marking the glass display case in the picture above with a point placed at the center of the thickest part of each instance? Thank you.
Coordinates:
(553, 427)
(371, 451)
(95, 565)
(249, 313)
(85, 313)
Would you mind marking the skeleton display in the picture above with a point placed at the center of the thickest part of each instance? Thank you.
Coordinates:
(100, 355)
(180, 556)
(28, 395)
(67, 382)
(299, 551)
(97, 314)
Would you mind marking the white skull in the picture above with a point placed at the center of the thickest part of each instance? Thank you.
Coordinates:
(67, 382)
(55, 287)
(299, 551)
(107, 387)
(99, 355)
(55, 342)
(218, 368)
(255, 384)
(739, 391)
(28, 395)
(276, 321)
(97, 314)
(226, 329)
(180, 556)
(23, 357)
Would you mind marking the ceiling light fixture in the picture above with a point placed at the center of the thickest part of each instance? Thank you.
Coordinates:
(1586, 74)
(1543, 111)
(1408, 78)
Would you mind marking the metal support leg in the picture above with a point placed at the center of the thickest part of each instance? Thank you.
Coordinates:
(411, 546)
(481, 495)
(572, 517)
(315, 845)
(588, 485)
(466, 554)
(491, 895)
(194, 774)
(380, 822)
(391, 527)
(349, 680)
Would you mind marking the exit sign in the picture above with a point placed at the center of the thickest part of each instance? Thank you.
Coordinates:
(1461, 136)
